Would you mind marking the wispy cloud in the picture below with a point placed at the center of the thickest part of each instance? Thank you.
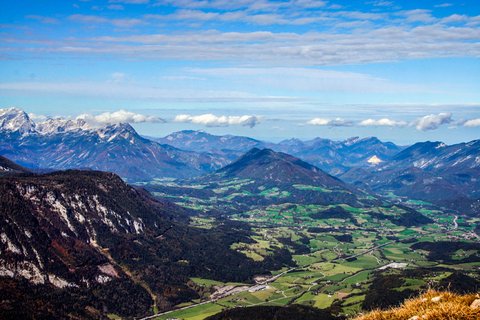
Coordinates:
(117, 7)
(118, 77)
(130, 1)
(211, 120)
(333, 37)
(120, 89)
(443, 5)
(308, 79)
(312, 48)
(43, 19)
(93, 19)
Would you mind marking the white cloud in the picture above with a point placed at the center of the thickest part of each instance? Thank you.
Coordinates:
(337, 122)
(144, 92)
(384, 122)
(211, 120)
(472, 123)
(433, 121)
(308, 79)
(120, 116)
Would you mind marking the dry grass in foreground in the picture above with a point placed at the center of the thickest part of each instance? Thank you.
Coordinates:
(432, 305)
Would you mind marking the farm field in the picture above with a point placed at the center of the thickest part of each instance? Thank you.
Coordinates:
(341, 251)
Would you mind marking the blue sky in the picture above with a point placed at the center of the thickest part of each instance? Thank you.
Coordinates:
(401, 70)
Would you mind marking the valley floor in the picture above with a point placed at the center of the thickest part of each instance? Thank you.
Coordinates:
(336, 272)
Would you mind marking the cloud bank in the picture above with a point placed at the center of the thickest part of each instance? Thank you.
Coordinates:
(425, 123)
(433, 121)
(211, 120)
(337, 122)
(384, 122)
(120, 116)
(472, 123)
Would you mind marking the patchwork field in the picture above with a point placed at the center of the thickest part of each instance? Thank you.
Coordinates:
(344, 253)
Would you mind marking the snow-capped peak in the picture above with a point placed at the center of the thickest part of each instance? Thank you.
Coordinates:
(16, 120)
(351, 141)
(119, 130)
(58, 125)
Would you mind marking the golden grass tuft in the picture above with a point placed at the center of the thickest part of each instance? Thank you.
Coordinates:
(445, 306)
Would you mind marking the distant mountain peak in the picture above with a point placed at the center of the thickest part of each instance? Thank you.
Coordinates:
(351, 140)
(268, 166)
(16, 120)
(118, 131)
(60, 125)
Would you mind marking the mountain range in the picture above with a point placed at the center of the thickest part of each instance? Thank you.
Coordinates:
(429, 171)
(58, 143)
(67, 144)
(335, 157)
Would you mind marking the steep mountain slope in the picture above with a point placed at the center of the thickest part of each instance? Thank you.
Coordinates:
(10, 167)
(430, 171)
(15, 120)
(67, 144)
(89, 241)
(276, 168)
(437, 156)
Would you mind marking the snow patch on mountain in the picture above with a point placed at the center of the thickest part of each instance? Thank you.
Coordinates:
(374, 160)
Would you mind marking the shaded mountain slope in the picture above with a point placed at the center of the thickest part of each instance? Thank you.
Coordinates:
(90, 238)
(430, 171)
(9, 167)
(277, 168)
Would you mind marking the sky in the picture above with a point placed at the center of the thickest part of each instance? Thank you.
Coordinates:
(403, 71)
